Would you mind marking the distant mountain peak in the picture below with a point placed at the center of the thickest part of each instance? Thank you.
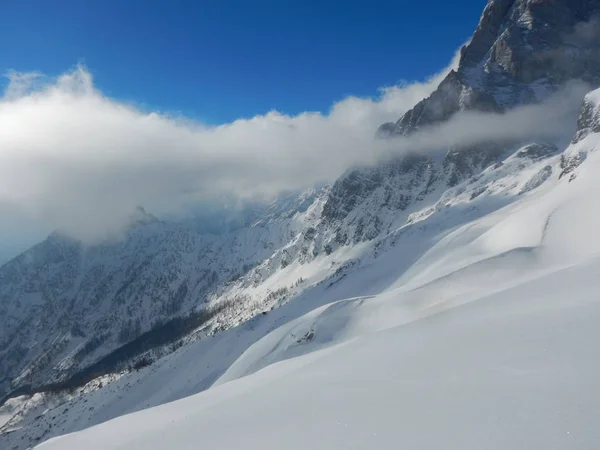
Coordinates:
(140, 216)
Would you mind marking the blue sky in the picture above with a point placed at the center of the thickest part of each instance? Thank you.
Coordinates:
(219, 60)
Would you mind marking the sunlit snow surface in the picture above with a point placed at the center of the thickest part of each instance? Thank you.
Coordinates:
(487, 341)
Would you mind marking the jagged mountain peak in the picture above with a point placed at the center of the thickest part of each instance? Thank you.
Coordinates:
(512, 29)
(141, 216)
(528, 41)
(521, 51)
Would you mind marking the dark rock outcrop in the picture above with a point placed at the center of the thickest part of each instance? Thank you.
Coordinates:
(589, 120)
(522, 51)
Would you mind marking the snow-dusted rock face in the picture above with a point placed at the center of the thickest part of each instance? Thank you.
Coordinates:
(533, 41)
(64, 306)
(587, 124)
(589, 118)
(521, 51)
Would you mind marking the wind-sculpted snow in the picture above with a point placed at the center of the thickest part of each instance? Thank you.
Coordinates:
(483, 343)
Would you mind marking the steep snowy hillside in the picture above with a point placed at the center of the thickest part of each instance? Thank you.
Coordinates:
(484, 342)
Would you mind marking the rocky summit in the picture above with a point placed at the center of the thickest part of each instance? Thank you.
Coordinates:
(522, 51)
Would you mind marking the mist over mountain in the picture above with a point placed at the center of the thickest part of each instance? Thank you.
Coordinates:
(418, 270)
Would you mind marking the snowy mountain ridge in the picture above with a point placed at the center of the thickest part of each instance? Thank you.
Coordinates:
(309, 274)
(116, 291)
(520, 254)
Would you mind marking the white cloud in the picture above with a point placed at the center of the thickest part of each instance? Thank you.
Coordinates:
(79, 161)
(553, 120)
(20, 83)
(73, 159)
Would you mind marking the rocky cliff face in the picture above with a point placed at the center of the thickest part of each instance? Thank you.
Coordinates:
(589, 118)
(64, 304)
(522, 51)
(587, 124)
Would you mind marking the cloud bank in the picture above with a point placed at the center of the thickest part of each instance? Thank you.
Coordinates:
(75, 160)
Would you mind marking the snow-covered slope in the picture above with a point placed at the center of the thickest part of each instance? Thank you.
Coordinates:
(528, 257)
(330, 269)
(484, 341)
(64, 306)
(513, 371)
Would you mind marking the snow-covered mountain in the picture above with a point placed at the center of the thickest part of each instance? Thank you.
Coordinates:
(472, 329)
(66, 305)
(313, 292)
